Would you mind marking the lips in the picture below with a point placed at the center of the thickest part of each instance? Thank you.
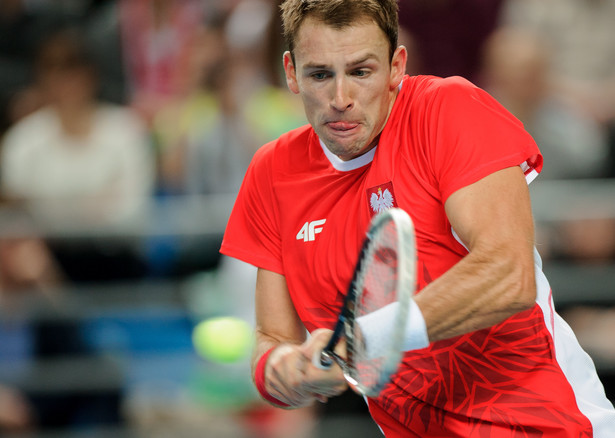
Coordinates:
(342, 126)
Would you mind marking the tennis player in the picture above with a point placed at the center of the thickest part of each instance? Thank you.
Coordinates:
(492, 358)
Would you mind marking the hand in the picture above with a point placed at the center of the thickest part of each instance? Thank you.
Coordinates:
(317, 343)
(291, 377)
(325, 383)
(284, 374)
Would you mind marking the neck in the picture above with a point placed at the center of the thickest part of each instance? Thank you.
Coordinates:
(76, 120)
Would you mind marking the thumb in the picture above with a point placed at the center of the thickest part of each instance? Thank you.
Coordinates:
(316, 342)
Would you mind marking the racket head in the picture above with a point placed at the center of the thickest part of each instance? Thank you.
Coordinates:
(385, 282)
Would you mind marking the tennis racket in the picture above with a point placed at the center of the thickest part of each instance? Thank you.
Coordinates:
(375, 312)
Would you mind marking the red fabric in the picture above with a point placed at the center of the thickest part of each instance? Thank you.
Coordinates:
(442, 135)
(430, 147)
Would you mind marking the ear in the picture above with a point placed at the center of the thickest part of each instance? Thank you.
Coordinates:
(398, 66)
(291, 73)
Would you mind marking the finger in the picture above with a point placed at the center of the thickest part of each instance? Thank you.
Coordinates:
(328, 383)
(285, 377)
(327, 391)
(321, 398)
(291, 396)
(340, 348)
(283, 390)
(316, 342)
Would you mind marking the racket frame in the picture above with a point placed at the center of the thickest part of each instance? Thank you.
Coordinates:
(405, 284)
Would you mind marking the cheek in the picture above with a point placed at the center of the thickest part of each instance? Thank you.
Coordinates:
(377, 106)
(311, 103)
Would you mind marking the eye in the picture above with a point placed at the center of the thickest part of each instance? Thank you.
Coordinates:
(360, 73)
(319, 75)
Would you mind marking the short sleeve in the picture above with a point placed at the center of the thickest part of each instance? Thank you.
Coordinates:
(252, 233)
(472, 136)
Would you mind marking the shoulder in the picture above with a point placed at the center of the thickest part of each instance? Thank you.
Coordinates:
(289, 148)
(439, 100)
(44, 118)
(426, 99)
(28, 133)
(429, 88)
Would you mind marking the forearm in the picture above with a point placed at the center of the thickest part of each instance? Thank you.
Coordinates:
(483, 289)
(280, 331)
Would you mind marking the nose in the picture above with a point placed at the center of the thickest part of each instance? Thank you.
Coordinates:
(342, 97)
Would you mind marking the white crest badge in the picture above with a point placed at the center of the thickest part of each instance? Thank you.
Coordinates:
(381, 198)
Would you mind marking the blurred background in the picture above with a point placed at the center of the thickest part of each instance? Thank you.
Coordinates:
(125, 130)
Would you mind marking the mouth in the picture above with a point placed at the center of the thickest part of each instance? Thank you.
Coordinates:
(342, 126)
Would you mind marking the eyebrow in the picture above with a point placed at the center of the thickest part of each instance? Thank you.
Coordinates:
(314, 66)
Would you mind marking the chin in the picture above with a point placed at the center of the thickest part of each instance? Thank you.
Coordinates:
(347, 154)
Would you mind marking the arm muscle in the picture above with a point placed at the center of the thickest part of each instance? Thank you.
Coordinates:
(492, 217)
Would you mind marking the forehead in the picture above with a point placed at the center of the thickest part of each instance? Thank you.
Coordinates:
(319, 42)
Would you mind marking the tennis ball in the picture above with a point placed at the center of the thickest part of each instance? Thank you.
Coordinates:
(222, 339)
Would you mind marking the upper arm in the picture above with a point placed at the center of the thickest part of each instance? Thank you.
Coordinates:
(497, 208)
(493, 217)
(276, 317)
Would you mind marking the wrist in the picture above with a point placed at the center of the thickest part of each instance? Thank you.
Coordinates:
(259, 380)
(379, 325)
(416, 336)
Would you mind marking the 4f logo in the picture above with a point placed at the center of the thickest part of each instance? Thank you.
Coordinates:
(309, 230)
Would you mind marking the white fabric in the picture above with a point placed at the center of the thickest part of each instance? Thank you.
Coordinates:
(377, 327)
(575, 363)
(102, 178)
(346, 166)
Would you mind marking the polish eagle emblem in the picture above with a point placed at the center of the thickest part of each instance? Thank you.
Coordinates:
(381, 200)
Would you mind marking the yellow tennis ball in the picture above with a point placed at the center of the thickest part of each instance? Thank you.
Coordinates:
(222, 339)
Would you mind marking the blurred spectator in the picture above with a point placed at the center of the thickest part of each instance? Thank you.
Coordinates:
(580, 38)
(33, 330)
(76, 162)
(156, 36)
(76, 148)
(229, 104)
(26, 264)
(200, 136)
(574, 145)
(449, 33)
(594, 327)
(15, 410)
(24, 24)
(254, 37)
(199, 144)
(515, 71)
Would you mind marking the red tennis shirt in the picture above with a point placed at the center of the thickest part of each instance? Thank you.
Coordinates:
(302, 212)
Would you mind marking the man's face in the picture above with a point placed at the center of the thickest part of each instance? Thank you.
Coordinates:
(346, 81)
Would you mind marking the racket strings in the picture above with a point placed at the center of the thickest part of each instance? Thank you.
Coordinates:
(378, 289)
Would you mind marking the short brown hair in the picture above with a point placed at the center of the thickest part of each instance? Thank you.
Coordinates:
(64, 50)
(340, 14)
